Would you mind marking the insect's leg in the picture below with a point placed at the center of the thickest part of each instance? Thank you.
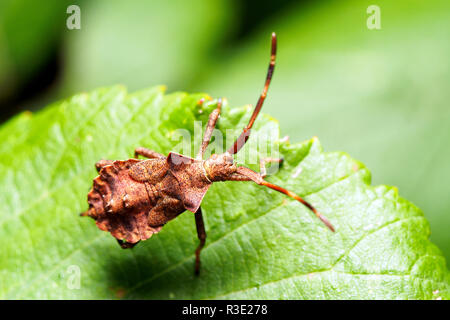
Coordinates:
(201, 233)
(246, 174)
(126, 245)
(100, 164)
(209, 128)
(262, 165)
(147, 153)
(239, 143)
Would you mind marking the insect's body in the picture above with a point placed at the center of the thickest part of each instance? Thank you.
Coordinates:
(121, 204)
(133, 199)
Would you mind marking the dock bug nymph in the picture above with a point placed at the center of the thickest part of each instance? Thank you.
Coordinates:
(133, 199)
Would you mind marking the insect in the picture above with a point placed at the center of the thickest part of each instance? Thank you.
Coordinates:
(134, 198)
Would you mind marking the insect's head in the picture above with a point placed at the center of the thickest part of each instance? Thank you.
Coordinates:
(219, 166)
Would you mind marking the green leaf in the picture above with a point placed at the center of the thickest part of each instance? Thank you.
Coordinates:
(260, 244)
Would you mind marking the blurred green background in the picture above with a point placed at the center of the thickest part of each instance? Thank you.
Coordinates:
(380, 95)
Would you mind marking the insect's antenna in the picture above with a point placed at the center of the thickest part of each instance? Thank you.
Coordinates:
(239, 143)
(246, 174)
(296, 197)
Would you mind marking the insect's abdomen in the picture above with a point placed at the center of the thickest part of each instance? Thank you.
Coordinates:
(120, 204)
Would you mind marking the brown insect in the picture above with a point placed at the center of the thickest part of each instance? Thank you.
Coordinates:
(133, 199)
